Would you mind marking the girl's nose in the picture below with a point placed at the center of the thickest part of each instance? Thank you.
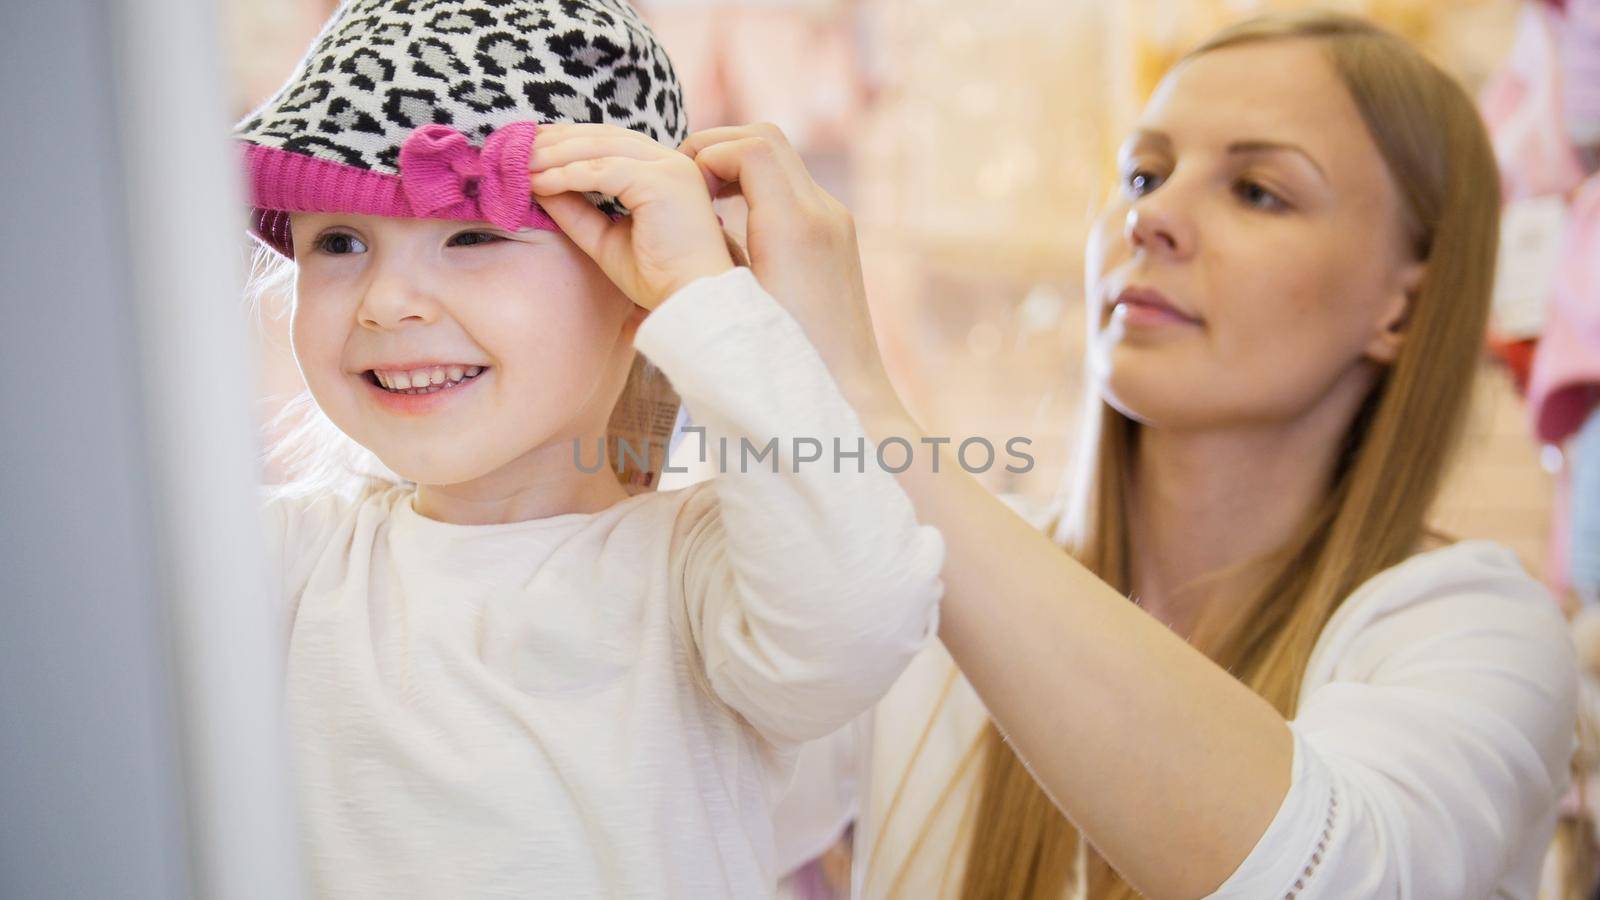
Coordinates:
(395, 298)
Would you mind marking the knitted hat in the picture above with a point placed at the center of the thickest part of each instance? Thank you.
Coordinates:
(428, 108)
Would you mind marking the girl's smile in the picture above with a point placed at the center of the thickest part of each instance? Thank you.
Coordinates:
(447, 385)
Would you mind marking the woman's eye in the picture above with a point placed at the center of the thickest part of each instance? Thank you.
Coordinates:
(468, 238)
(1140, 182)
(338, 244)
(1255, 195)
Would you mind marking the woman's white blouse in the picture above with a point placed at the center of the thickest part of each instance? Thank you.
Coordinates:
(1431, 749)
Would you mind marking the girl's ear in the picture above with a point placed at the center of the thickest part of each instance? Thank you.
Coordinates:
(1391, 335)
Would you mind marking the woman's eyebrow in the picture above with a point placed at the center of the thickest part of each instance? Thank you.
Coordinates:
(1159, 139)
(1162, 142)
(1276, 147)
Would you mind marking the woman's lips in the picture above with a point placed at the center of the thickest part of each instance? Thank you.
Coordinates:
(1146, 308)
(420, 404)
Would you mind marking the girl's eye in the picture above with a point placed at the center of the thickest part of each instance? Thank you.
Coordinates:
(1256, 196)
(468, 238)
(1140, 182)
(339, 243)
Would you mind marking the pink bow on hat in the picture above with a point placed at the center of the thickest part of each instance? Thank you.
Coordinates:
(444, 176)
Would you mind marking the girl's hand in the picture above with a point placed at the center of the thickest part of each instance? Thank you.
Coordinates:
(670, 237)
(802, 250)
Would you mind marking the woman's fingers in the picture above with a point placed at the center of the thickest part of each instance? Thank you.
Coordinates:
(755, 165)
(700, 140)
(782, 151)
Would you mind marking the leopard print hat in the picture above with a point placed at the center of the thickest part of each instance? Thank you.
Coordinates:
(428, 108)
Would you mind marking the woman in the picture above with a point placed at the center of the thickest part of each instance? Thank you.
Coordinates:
(1312, 695)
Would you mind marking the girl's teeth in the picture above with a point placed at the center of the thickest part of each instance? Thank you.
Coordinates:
(427, 380)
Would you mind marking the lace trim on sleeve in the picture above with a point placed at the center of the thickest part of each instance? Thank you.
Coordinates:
(1322, 847)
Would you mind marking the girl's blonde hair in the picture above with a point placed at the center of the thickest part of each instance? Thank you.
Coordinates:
(309, 453)
(1393, 458)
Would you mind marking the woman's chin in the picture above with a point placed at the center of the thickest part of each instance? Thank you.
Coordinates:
(1154, 399)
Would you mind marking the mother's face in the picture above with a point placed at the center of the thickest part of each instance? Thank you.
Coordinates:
(1254, 261)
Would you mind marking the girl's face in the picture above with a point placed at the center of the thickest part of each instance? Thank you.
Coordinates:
(1254, 261)
(551, 335)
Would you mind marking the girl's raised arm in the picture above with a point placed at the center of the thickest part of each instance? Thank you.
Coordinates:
(808, 583)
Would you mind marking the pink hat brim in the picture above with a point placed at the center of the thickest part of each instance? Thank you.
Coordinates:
(280, 182)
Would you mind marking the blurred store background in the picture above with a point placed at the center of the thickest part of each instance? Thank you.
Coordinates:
(974, 141)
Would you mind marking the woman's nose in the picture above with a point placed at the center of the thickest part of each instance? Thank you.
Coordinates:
(1155, 225)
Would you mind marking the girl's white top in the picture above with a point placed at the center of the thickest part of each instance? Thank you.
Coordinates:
(606, 704)
(1431, 748)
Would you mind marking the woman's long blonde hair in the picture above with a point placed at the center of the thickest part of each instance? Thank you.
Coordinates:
(1394, 456)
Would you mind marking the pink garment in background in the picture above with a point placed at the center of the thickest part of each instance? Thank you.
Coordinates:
(1522, 106)
(1565, 383)
(1580, 62)
(1564, 386)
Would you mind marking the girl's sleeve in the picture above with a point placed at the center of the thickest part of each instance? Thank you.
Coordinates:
(1437, 772)
(808, 589)
(295, 529)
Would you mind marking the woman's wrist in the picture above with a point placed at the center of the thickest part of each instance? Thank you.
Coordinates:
(878, 406)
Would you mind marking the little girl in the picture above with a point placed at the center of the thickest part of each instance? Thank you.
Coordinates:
(508, 677)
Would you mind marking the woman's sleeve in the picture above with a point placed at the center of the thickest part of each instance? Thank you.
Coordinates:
(1429, 765)
(807, 584)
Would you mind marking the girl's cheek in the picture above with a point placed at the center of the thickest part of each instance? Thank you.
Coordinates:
(310, 336)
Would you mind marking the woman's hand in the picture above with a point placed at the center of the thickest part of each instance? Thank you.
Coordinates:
(671, 235)
(802, 245)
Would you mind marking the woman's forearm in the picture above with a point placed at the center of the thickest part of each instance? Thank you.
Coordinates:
(1170, 766)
